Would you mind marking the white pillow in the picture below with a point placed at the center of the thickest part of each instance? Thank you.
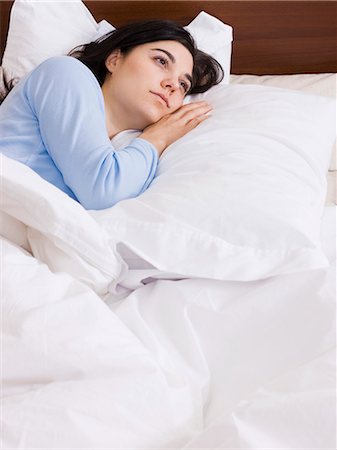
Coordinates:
(313, 83)
(215, 38)
(59, 230)
(40, 30)
(241, 196)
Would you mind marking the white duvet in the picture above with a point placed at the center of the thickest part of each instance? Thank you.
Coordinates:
(189, 363)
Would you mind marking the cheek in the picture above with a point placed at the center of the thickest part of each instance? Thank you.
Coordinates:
(176, 103)
(138, 70)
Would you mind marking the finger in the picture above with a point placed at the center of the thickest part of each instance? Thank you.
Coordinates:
(197, 120)
(191, 107)
(199, 112)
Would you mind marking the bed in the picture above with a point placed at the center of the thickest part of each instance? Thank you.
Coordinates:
(201, 314)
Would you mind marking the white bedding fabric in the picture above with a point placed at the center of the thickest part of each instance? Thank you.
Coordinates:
(177, 364)
(156, 363)
(195, 363)
(240, 197)
(318, 83)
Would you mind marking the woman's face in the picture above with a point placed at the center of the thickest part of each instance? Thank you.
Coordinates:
(147, 83)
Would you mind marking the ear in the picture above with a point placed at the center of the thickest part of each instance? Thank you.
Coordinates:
(112, 60)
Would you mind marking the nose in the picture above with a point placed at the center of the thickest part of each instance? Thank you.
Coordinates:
(171, 84)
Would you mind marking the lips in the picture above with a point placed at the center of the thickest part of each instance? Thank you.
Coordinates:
(162, 97)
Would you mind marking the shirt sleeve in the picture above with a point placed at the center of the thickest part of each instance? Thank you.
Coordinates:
(68, 103)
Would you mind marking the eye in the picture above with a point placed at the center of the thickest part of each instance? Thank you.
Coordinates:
(162, 60)
(184, 85)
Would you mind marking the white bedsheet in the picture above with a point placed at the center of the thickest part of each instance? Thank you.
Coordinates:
(192, 363)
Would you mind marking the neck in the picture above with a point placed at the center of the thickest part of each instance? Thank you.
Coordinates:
(111, 127)
(113, 117)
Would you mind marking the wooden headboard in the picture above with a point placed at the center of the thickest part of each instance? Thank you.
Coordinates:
(270, 36)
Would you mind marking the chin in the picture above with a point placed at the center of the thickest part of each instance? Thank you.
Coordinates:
(152, 114)
(145, 116)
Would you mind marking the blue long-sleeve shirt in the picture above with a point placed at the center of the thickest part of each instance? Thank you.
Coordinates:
(54, 122)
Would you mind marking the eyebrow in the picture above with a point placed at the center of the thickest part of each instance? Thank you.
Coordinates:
(172, 58)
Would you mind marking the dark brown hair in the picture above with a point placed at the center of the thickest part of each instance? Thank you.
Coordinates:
(207, 72)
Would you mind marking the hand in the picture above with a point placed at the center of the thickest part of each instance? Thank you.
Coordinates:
(175, 125)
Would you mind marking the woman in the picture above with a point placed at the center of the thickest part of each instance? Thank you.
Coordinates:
(59, 119)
